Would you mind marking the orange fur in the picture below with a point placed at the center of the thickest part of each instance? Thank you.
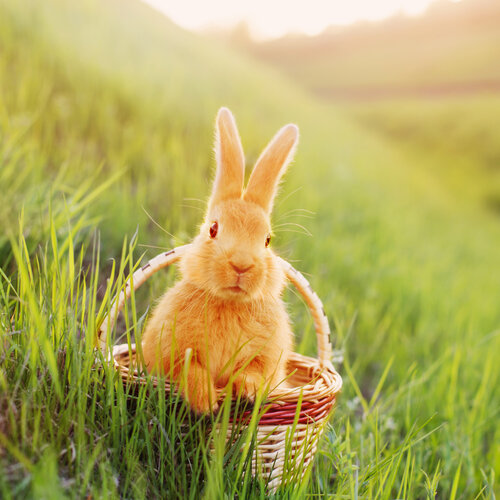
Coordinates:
(225, 314)
(270, 166)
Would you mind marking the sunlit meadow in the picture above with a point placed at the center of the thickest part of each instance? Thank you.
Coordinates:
(106, 131)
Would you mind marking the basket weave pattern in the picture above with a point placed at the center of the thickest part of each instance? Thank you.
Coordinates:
(286, 437)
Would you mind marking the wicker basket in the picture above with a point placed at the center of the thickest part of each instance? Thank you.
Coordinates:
(287, 436)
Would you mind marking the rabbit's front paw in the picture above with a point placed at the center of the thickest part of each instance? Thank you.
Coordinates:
(203, 403)
(200, 390)
(248, 385)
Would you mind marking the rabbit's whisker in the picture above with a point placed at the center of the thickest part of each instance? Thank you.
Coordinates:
(297, 212)
(196, 199)
(297, 294)
(184, 205)
(153, 246)
(295, 224)
(288, 195)
(160, 226)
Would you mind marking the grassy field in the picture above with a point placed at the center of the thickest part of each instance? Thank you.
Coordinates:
(106, 129)
(455, 138)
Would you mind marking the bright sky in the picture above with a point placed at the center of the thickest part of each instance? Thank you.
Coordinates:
(273, 18)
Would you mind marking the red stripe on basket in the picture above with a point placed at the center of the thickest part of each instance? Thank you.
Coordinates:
(285, 414)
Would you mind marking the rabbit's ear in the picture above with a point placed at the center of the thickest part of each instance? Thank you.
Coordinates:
(230, 172)
(270, 166)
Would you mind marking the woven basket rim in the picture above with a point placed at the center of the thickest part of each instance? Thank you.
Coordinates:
(317, 396)
(322, 384)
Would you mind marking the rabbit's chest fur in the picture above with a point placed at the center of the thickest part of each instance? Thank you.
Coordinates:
(223, 335)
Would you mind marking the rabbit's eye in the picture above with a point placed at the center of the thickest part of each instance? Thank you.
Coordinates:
(213, 229)
(268, 240)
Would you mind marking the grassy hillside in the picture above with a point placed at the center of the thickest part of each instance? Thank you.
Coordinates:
(106, 111)
(455, 138)
(452, 48)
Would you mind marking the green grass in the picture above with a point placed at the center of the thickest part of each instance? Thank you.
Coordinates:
(106, 108)
(455, 139)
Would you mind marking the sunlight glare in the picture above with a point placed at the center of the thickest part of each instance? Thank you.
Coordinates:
(274, 18)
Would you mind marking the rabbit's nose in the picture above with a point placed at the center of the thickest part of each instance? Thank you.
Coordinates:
(241, 267)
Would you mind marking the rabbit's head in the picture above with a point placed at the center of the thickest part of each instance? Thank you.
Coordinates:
(231, 257)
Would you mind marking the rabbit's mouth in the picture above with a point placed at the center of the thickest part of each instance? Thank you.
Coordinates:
(235, 289)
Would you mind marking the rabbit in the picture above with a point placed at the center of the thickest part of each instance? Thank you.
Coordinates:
(226, 312)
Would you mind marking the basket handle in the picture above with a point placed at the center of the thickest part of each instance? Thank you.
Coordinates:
(165, 259)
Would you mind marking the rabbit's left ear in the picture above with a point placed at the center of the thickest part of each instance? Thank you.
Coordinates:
(270, 167)
(230, 172)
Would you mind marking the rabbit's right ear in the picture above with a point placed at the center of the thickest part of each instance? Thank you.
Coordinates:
(230, 173)
(271, 165)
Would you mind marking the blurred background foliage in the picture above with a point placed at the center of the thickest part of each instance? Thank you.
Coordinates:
(106, 127)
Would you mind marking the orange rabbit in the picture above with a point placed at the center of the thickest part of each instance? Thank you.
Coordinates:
(226, 311)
